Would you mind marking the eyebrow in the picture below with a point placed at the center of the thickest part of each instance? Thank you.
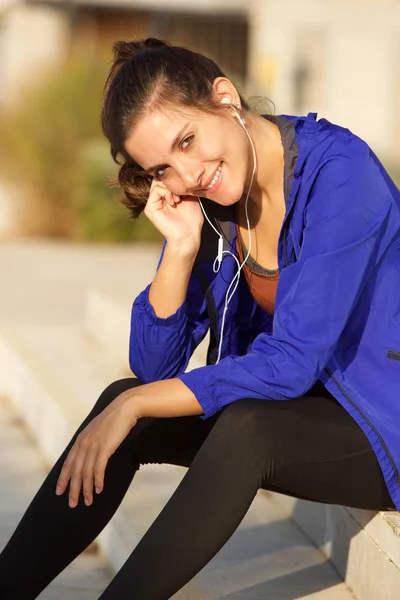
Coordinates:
(173, 147)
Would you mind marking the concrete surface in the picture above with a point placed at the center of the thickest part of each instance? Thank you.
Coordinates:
(22, 470)
(45, 282)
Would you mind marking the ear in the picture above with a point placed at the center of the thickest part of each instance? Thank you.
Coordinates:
(224, 88)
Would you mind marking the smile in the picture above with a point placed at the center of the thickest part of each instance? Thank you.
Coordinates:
(215, 179)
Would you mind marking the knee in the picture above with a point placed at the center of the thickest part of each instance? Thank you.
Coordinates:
(258, 426)
(257, 435)
(243, 441)
(245, 419)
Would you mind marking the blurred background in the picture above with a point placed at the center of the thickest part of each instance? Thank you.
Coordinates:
(339, 58)
(72, 260)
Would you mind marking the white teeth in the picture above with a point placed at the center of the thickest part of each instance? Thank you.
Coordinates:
(214, 179)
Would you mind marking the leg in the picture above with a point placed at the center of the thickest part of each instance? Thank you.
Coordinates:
(252, 444)
(324, 456)
(202, 514)
(50, 534)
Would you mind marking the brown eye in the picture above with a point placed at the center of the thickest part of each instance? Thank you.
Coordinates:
(159, 174)
(187, 141)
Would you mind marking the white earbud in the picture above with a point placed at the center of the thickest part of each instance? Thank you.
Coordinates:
(235, 110)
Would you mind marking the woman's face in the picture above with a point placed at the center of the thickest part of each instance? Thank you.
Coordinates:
(194, 153)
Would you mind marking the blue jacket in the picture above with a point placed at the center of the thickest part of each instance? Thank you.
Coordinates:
(337, 310)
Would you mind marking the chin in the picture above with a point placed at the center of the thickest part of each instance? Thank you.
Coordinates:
(228, 197)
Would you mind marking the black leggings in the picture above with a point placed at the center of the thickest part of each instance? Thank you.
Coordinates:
(307, 447)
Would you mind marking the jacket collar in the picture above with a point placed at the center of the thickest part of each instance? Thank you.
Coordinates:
(290, 149)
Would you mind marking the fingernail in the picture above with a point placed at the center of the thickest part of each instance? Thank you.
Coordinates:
(98, 490)
(72, 503)
(87, 502)
(58, 490)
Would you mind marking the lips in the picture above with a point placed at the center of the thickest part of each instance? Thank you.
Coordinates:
(218, 169)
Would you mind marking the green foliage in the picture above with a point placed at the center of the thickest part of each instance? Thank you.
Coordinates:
(53, 149)
(101, 216)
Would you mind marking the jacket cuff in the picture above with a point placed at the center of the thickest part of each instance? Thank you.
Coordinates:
(142, 304)
(204, 395)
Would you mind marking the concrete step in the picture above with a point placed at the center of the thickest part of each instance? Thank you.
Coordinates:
(22, 470)
(71, 370)
(53, 375)
(107, 318)
(44, 281)
(363, 545)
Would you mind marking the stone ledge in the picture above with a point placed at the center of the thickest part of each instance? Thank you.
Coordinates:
(107, 318)
(363, 545)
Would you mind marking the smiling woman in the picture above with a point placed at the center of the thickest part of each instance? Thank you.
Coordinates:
(167, 113)
(300, 391)
(169, 123)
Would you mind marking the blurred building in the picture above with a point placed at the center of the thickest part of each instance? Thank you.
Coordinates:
(340, 58)
(36, 34)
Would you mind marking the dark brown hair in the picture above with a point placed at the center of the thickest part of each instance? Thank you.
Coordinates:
(146, 75)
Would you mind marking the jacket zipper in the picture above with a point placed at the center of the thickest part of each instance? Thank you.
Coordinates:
(393, 354)
(396, 472)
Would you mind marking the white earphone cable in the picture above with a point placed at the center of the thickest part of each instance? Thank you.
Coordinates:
(235, 280)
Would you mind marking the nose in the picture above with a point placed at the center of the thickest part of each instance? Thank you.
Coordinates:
(191, 175)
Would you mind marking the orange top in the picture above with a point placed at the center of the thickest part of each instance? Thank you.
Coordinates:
(262, 282)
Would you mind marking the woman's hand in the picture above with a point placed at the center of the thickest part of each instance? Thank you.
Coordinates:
(88, 457)
(178, 218)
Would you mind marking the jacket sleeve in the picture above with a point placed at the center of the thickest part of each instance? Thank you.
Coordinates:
(160, 348)
(344, 221)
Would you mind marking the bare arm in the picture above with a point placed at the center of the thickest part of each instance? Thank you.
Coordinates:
(169, 288)
(167, 398)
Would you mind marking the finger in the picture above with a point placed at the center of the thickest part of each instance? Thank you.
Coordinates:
(165, 199)
(99, 470)
(176, 199)
(66, 470)
(161, 194)
(154, 203)
(88, 476)
(76, 475)
(155, 183)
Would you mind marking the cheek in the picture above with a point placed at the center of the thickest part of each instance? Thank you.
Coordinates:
(175, 185)
(235, 171)
(175, 188)
(235, 160)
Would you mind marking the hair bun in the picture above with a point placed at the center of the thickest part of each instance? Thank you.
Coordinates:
(124, 51)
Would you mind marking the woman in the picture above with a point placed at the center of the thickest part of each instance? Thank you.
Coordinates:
(300, 393)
